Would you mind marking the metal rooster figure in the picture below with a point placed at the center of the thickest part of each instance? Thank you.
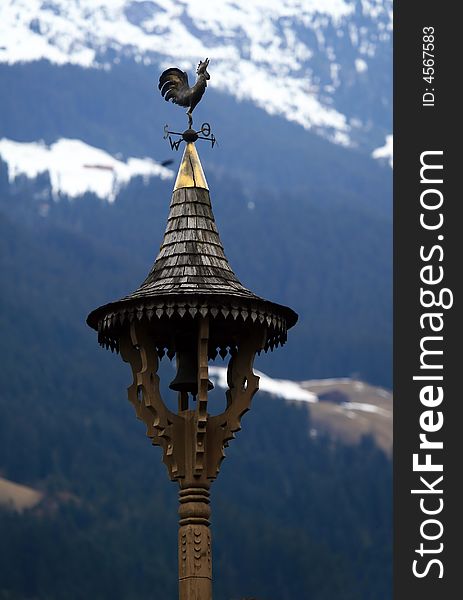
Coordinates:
(174, 86)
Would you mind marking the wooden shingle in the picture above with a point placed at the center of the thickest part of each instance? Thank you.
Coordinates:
(191, 252)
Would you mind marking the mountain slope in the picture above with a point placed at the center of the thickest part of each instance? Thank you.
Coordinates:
(119, 111)
(323, 65)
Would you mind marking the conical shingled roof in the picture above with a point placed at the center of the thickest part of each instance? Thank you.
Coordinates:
(191, 259)
(191, 277)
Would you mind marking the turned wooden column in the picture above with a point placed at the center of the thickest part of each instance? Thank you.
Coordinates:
(194, 544)
(194, 535)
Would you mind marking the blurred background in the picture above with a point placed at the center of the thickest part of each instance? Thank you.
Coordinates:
(300, 101)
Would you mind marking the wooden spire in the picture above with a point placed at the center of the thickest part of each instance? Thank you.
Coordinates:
(191, 259)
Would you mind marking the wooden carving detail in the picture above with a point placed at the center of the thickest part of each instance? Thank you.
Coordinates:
(201, 402)
(193, 441)
(243, 384)
(194, 544)
(138, 350)
(276, 324)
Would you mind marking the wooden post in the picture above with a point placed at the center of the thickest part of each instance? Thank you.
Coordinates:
(194, 544)
(194, 536)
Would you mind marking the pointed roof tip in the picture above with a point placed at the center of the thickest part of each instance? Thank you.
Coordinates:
(190, 173)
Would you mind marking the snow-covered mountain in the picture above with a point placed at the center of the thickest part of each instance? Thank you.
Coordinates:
(324, 64)
(75, 168)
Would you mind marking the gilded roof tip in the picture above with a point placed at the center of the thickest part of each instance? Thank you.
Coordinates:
(190, 172)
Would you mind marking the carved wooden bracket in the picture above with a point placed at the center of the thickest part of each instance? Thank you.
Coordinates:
(242, 384)
(162, 425)
(201, 416)
(193, 441)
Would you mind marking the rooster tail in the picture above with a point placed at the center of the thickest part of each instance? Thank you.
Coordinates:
(171, 82)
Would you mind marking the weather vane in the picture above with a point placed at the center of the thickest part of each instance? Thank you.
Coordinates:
(174, 86)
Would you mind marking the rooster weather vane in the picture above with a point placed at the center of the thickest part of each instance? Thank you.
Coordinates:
(174, 86)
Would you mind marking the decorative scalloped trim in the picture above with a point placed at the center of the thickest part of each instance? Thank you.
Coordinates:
(275, 324)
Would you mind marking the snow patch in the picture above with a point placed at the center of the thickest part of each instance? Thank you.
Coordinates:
(75, 167)
(282, 388)
(385, 152)
(365, 407)
(326, 382)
